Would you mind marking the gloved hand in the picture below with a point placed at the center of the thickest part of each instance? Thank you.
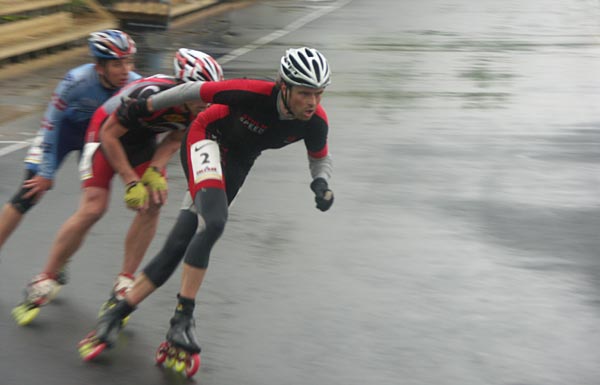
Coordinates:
(154, 179)
(323, 195)
(131, 110)
(158, 184)
(136, 195)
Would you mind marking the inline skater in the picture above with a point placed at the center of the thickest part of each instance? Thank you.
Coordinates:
(62, 130)
(247, 116)
(132, 151)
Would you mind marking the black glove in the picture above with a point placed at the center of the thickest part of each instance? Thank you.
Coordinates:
(132, 110)
(323, 195)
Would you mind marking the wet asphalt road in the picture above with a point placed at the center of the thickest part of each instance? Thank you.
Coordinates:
(462, 246)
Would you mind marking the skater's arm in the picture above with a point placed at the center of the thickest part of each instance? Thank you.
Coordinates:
(175, 96)
(110, 133)
(55, 118)
(50, 128)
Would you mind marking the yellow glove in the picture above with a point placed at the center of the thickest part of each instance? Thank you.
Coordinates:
(154, 179)
(136, 195)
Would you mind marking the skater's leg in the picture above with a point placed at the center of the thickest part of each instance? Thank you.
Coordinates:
(191, 280)
(140, 235)
(14, 211)
(138, 239)
(142, 288)
(72, 233)
(211, 204)
(44, 286)
(10, 218)
(162, 266)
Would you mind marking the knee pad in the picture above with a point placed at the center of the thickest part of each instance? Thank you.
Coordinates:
(211, 204)
(162, 266)
(21, 204)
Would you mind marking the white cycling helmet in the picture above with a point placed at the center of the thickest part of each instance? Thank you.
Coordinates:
(191, 65)
(305, 67)
(111, 44)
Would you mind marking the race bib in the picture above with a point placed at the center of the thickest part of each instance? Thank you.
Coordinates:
(85, 164)
(206, 161)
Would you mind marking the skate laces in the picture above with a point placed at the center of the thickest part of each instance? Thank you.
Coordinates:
(123, 283)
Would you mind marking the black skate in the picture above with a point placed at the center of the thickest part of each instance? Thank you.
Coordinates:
(106, 333)
(180, 352)
(110, 304)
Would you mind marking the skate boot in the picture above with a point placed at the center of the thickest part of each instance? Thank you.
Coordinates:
(106, 332)
(123, 283)
(40, 291)
(181, 352)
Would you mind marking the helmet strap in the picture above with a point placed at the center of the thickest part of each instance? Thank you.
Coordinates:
(284, 99)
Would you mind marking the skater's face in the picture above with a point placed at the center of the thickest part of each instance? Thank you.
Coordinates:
(115, 73)
(303, 101)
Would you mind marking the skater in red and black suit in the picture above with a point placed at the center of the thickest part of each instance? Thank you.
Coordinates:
(245, 118)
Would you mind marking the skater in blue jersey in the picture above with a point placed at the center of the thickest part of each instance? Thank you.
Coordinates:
(62, 130)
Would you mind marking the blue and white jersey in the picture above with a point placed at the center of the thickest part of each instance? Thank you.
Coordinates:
(67, 117)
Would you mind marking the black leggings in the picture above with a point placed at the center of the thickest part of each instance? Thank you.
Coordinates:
(193, 236)
(185, 242)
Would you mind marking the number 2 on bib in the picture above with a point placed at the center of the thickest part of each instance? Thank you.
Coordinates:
(206, 161)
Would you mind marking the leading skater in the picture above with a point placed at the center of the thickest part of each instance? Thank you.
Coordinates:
(247, 116)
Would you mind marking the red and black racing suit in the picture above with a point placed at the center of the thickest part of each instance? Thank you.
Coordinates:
(140, 141)
(243, 120)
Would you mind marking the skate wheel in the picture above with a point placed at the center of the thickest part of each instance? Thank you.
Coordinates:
(193, 364)
(179, 366)
(171, 357)
(91, 350)
(24, 314)
(161, 353)
(87, 339)
(169, 362)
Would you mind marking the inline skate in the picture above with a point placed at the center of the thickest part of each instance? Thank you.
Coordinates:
(123, 283)
(42, 289)
(106, 332)
(180, 352)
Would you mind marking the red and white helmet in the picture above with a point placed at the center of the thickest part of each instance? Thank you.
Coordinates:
(191, 65)
(111, 44)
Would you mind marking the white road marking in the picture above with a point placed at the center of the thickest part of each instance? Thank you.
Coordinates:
(282, 32)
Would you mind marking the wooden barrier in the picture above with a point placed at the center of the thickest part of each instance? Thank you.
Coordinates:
(44, 26)
(35, 28)
(14, 7)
